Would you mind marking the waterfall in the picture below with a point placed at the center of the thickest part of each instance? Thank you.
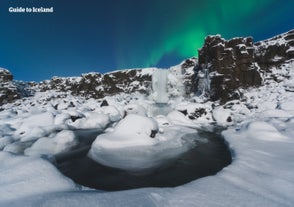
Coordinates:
(159, 86)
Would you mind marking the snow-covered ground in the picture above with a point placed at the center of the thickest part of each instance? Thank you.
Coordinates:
(260, 131)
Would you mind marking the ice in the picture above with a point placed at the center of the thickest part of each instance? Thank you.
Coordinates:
(203, 82)
(159, 86)
(135, 146)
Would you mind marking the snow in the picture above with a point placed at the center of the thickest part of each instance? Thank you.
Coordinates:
(34, 126)
(61, 142)
(264, 131)
(221, 115)
(135, 145)
(260, 136)
(21, 177)
(178, 118)
(91, 120)
(135, 109)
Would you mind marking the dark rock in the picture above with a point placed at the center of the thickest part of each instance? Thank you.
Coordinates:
(153, 133)
(191, 62)
(229, 119)
(9, 89)
(197, 113)
(185, 112)
(5, 75)
(275, 51)
(104, 103)
(74, 118)
(230, 64)
(189, 76)
(96, 85)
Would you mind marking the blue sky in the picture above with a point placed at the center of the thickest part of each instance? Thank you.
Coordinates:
(103, 35)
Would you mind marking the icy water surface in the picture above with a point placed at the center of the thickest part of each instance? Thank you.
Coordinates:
(207, 158)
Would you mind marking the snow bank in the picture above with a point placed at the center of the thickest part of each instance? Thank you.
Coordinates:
(21, 177)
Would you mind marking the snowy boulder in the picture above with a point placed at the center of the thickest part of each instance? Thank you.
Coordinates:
(62, 142)
(112, 112)
(222, 116)
(131, 145)
(178, 118)
(135, 109)
(35, 126)
(92, 120)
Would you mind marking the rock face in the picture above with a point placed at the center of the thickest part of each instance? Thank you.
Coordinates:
(5, 75)
(230, 65)
(11, 90)
(8, 91)
(97, 85)
(275, 51)
(189, 75)
(237, 63)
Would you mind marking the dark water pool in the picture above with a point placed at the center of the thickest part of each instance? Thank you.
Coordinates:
(203, 160)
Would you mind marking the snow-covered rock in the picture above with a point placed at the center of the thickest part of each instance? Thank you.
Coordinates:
(61, 142)
(135, 145)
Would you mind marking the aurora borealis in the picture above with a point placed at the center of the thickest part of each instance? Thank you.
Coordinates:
(103, 35)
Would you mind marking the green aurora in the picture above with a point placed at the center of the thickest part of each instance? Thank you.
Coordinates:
(106, 35)
(181, 29)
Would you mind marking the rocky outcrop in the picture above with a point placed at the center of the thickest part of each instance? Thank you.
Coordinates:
(8, 91)
(189, 75)
(275, 51)
(228, 65)
(97, 85)
(11, 90)
(5, 75)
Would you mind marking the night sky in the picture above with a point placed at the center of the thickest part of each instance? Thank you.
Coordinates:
(103, 35)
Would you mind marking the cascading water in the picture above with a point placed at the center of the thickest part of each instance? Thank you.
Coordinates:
(159, 93)
(159, 86)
